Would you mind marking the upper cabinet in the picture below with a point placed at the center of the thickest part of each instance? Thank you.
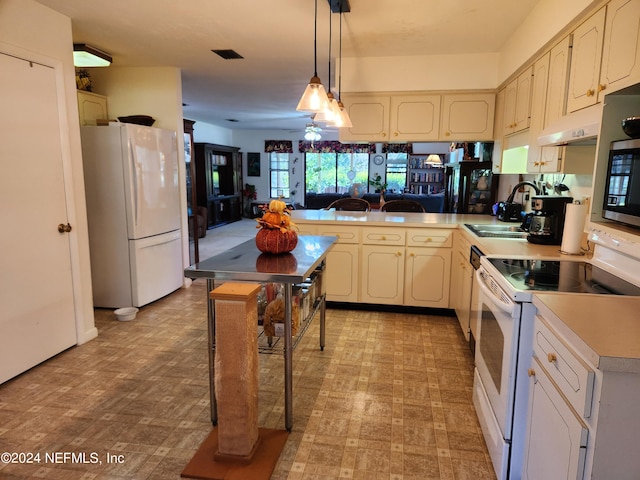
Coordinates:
(414, 117)
(91, 107)
(621, 53)
(584, 79)
(517, 98)
(467, 116)
(558, 76)
(428, 116)
(369, 114)
(538, 104)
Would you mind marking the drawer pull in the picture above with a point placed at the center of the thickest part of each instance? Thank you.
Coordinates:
(552, 357)
(429, 239)
(531, 372)
(384, 237)
(398, 254)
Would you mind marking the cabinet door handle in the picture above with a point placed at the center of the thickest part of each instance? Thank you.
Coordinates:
(383, 134)
(62, 228)
(446, 134)
(396, 134)
(552, 357)
(398, 254)
(531, 372)
(412, 254)
(601, 87)
(590, 93)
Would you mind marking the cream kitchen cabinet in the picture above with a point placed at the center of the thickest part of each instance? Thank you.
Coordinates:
(369, 114)
(91, 107)
(584, 78)
(467, 116)
(557, 85)
(538, 102)
(414, 117)
(461, 283)
(386, 117)
(574, 159)
(414, 275)
(621, 51)
(342, 263)
(517, 102)
(419, 116)
(428, 268)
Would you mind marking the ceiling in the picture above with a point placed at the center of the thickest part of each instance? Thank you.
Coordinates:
(276, 39)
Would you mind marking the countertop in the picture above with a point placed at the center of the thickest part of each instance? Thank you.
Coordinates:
(489, 246)
(603, 328)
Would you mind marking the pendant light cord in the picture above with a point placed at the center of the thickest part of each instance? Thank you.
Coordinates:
(340, 55)
(315, 42)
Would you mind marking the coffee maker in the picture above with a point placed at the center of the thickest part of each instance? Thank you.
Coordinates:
(546, 222)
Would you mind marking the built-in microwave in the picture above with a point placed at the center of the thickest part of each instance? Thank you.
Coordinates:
(622, 190)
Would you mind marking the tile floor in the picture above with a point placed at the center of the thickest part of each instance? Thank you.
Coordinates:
(388, 398)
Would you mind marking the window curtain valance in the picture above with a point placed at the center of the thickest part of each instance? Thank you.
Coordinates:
(280, 146)
(397, 148)
(335, 147)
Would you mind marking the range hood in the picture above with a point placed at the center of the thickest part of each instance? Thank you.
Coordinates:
(582, 126)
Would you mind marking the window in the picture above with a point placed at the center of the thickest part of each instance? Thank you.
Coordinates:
(336, 172)
(279, 170)
(396, 172)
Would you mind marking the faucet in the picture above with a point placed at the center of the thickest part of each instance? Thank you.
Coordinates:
(518, 185)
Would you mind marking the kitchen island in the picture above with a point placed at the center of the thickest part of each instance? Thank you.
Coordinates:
(244, 262)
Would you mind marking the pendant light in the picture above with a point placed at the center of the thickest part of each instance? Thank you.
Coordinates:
(342, 119)
(314, 97)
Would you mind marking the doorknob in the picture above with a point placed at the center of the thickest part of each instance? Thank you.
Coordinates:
(62, 228)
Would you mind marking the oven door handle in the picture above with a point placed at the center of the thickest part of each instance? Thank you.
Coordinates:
(499, 298)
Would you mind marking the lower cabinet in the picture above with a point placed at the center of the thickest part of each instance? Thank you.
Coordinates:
(462, 279)
(427, 275)
(557, 437)
(382, 274)
(386, 265)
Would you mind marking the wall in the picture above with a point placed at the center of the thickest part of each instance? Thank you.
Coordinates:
(20, 20)
(463, 72)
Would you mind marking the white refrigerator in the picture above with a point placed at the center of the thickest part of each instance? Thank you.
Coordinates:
(133, 209)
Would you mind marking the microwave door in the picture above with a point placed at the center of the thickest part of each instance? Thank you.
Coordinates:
(622, 201)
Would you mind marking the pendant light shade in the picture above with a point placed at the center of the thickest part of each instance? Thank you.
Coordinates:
(314, 98)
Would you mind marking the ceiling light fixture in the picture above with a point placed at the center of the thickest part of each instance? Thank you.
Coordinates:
(87, 56)
(312, 132)
(314, 97)
(342, 119)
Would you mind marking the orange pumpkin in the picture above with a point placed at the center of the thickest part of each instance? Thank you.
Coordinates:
(274, 240)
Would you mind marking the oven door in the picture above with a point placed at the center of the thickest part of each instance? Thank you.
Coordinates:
(496, 352)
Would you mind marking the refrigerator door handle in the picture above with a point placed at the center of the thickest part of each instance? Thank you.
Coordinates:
(134, 182)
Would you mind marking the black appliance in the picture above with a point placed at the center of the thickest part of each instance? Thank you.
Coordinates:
(546, 223)
(470, 187)
(510, 211)
(562, 276)
(622, 189)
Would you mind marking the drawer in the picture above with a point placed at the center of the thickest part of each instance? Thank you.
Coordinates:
(383, 236)
(344, 233)
(573, 375)
(429, 237)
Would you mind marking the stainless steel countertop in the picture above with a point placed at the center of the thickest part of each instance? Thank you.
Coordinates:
(244, 262)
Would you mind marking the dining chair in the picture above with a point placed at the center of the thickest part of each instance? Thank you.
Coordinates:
(350, 204)
(402, 206)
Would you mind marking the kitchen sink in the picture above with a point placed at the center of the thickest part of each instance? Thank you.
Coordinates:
(497, 231)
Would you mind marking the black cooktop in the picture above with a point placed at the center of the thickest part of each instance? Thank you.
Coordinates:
(562, 276)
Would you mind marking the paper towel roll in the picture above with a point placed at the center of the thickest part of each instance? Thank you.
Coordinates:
(575, 216)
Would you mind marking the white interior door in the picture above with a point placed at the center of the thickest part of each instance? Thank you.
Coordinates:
(37, 314)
